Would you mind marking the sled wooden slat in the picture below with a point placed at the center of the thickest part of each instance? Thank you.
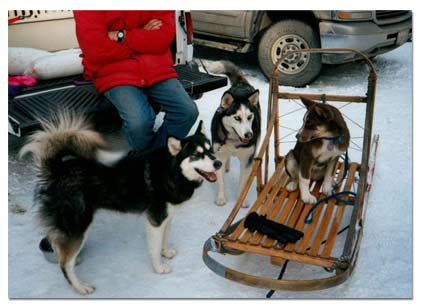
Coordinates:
(275, 192)
(276, 209)
(314, 250)
(291, 210)
(284, 214)
(299, 225)
(303, 244)
(325, 262)
(234, 235)
(271, 204)
(241, 229)
(255, 240)
(330, 242)
(264, 208)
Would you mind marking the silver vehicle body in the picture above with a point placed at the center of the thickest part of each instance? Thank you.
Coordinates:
(372, 32)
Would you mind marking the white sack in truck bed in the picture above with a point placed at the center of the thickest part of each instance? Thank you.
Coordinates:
(20, 58)
(45, 65)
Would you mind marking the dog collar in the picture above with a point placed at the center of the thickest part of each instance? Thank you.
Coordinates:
(333, 141)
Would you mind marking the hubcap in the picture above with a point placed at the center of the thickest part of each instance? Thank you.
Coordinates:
(294, 63)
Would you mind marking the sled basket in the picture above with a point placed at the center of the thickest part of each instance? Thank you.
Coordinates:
(319, 244)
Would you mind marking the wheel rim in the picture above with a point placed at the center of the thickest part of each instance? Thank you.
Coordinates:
(294, 63)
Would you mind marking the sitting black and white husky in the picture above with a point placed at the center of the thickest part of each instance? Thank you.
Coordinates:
(235, 126)
(77, 176)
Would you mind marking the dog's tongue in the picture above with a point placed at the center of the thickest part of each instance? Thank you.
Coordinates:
(210, 176)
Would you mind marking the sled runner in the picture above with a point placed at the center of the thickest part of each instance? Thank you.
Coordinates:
(331, 230)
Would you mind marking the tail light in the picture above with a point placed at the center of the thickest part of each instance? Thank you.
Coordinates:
(189, 28)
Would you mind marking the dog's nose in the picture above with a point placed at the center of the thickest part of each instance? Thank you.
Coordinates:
(217, 164)
(248, 135)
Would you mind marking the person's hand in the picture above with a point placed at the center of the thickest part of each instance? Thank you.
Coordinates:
(153, 24)
(112, 35)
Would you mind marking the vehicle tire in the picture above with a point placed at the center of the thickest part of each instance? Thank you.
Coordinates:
(287, 35)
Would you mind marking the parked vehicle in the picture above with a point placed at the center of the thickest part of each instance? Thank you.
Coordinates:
(55, 31)
(273, 33)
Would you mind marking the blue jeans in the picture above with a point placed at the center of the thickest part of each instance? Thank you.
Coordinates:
(138, 116)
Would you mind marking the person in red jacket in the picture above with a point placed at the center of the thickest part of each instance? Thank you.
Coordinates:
(127, 55)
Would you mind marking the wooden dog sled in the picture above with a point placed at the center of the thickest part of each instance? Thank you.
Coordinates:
(316, 247)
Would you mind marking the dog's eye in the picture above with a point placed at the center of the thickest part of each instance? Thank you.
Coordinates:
(249, 117)
(237, 118)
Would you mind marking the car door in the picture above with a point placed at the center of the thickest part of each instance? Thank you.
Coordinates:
(230, 24)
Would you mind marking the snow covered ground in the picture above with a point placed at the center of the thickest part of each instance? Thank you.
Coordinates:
(115, 256)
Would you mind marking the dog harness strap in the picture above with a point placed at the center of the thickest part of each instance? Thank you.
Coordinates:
(335, 140)
(309, 217)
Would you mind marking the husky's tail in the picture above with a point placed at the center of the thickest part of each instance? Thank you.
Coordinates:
(228, 68)
(67, 134)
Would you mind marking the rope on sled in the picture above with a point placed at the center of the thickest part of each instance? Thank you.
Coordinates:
(309, 217)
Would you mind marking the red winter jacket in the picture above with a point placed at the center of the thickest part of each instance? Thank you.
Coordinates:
(142, 59)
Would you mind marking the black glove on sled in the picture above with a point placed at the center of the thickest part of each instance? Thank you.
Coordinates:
(282, 233)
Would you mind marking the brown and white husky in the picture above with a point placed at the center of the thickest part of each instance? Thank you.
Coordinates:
(322, 139)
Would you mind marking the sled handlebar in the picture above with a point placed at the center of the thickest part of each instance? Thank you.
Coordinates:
(275, 72)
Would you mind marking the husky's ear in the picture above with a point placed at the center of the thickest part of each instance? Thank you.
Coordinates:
(324, 113)
(200, 129)
(226, 100)
(307, 102)
(320, 112)
(254, 98)
(174, 145)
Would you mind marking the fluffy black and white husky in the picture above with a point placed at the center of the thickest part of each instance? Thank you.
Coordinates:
(235, 126)
(78, 176)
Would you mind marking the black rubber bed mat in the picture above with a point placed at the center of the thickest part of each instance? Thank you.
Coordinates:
(75, 94)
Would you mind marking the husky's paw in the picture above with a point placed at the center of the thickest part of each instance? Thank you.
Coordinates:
(169, 253)
(84, 288)
(162, 268)
(309, 199)
(291, 186)
(220, 201)
(327, 186)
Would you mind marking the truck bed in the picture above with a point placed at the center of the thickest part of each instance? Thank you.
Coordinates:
(76, 94)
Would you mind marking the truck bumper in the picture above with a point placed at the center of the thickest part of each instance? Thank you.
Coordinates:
(366, 37)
